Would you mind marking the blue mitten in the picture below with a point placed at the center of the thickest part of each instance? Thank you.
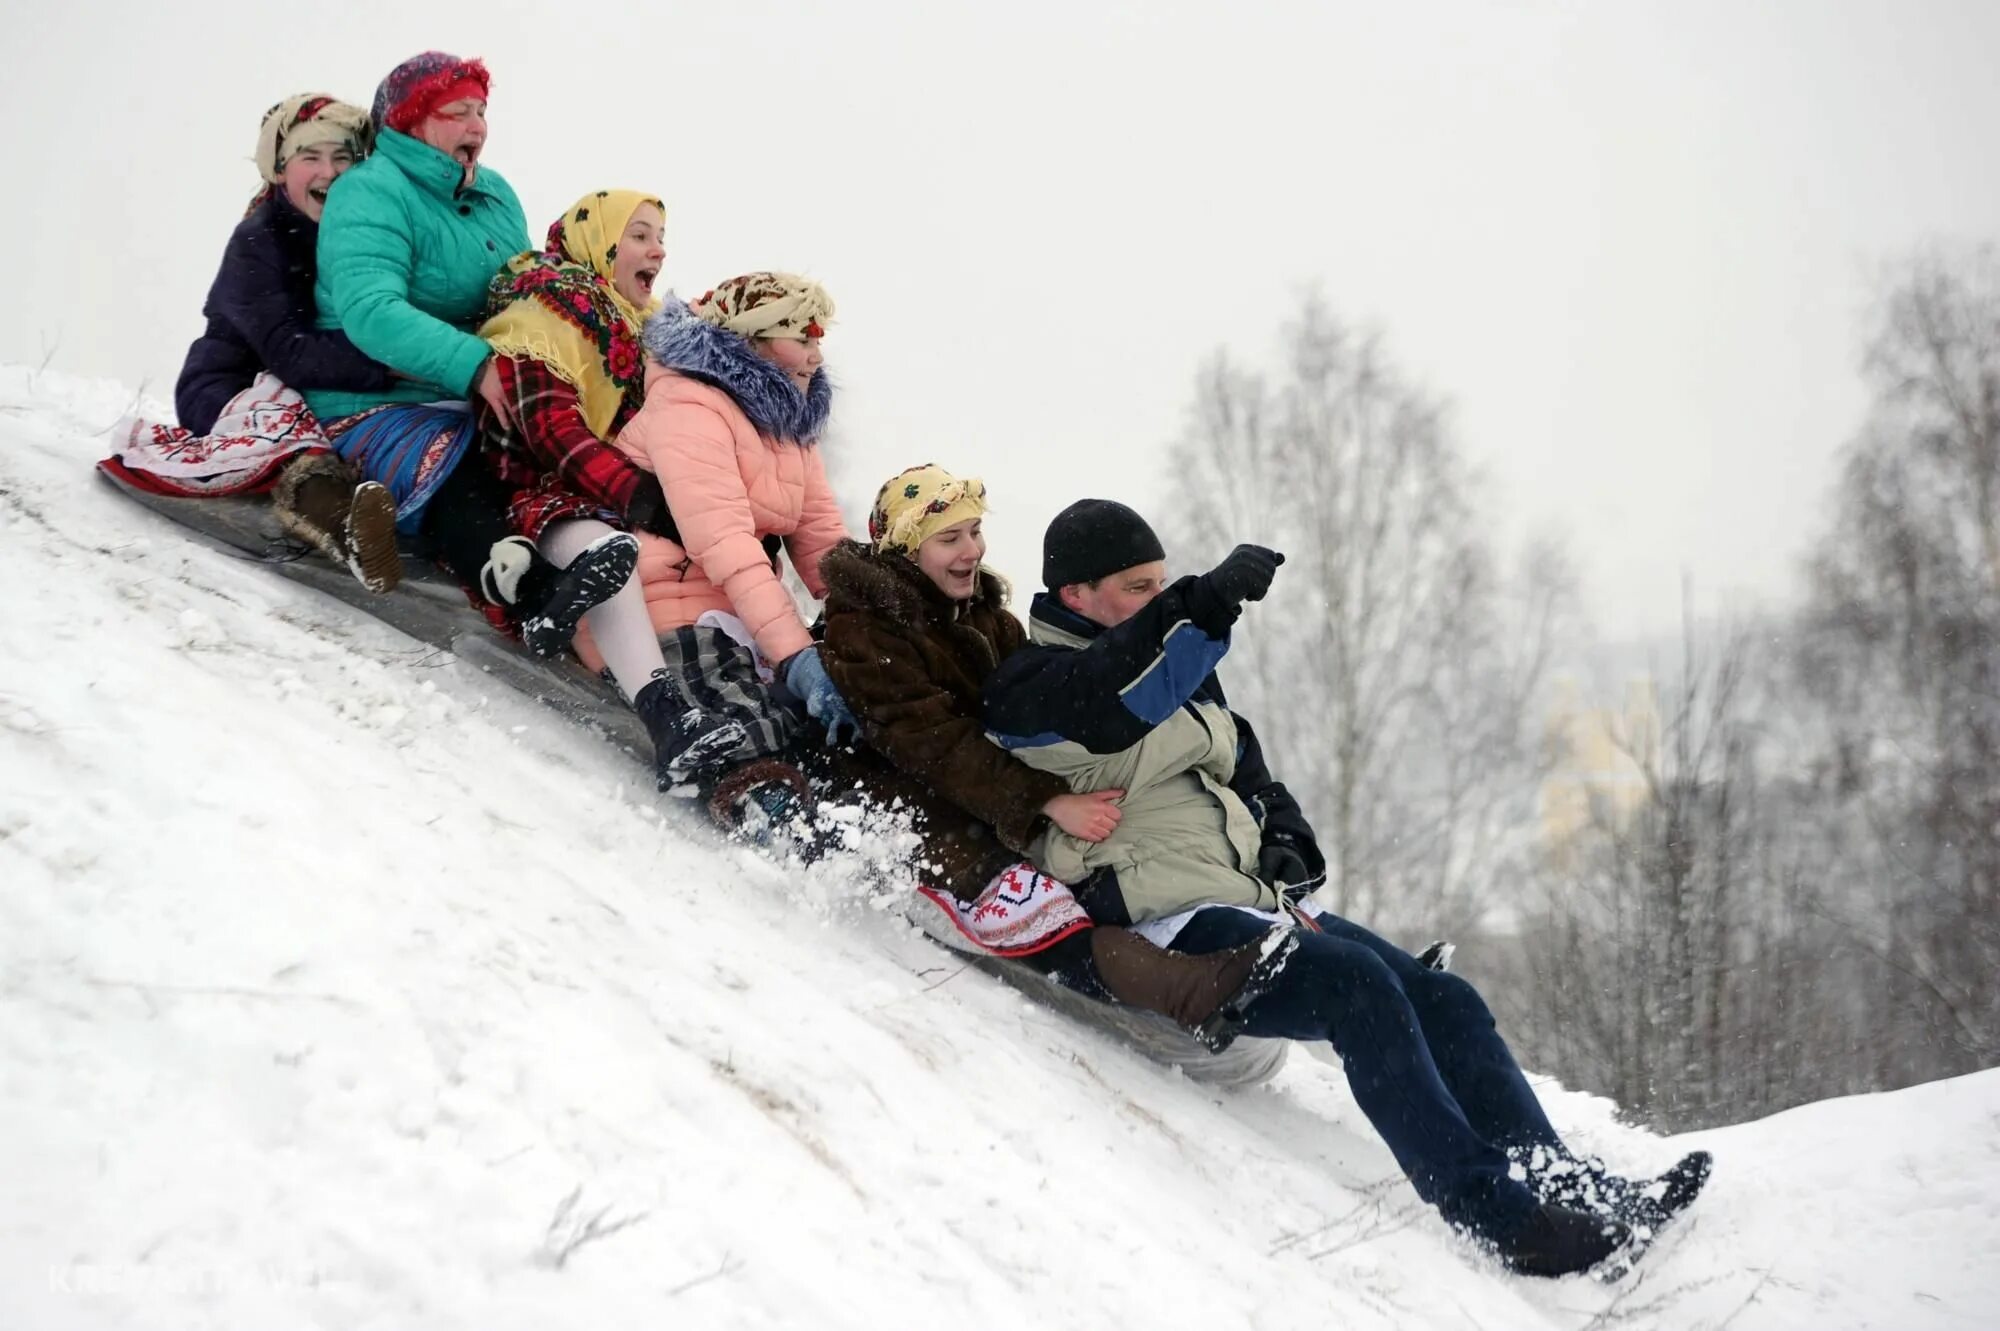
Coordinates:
(805, 675)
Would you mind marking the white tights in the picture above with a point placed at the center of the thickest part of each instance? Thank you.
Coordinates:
(620, 627)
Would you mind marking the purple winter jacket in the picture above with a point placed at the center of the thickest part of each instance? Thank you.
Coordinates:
(260, 317)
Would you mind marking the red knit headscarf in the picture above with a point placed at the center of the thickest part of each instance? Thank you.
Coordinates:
(423, 83)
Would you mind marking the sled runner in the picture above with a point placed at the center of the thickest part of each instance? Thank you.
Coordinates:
(430, 608)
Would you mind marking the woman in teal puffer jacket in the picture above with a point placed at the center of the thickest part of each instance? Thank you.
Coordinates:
(407, 246)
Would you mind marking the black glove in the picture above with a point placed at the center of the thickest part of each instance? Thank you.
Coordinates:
(648, 510)
(1244, 574)
(1281, 866)
(1217, 596)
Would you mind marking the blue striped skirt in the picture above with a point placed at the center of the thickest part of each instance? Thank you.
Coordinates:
(409, 448)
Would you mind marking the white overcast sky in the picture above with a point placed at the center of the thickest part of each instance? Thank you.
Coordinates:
(1634, 243)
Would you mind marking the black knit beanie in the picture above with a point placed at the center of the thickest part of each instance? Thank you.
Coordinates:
(1093, 538)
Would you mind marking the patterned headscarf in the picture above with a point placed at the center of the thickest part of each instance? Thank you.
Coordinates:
(558, 307)
(919, 503)
(309, 120)
(423, 83)
(767, 305)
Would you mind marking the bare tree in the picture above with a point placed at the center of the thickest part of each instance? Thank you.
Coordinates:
(1633, 922)
(1677, 954)
(1394, 668)
(1807, 901)
(1902, 647)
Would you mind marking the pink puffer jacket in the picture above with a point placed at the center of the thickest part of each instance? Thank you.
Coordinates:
(729, 483)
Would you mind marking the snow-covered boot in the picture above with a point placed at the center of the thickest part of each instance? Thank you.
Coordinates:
(1673, 1191)
(1585, 1184)
(1647, 1208)
(1648, 1204)
(549, 602)
(764, 801)
(1556, 1241)
(690, 746)
(317, 501)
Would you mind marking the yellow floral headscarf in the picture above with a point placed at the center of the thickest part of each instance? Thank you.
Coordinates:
(558, 306)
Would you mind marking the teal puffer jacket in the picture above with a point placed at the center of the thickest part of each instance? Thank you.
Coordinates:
(404, 258)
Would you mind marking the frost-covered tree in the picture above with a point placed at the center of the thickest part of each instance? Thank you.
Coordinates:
(1807, 901)
(1902, 648)
(1676, 953)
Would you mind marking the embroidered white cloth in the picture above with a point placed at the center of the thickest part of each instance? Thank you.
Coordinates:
(1020, 912)
(263, 427)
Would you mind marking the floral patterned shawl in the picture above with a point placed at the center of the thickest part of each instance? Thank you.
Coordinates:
(558, 307)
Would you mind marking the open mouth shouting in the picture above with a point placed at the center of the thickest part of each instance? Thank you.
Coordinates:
(645, 277)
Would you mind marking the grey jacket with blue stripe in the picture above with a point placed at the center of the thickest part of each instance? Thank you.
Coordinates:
(1137, 707)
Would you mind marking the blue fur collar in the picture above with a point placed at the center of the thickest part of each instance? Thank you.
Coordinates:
(723, 360)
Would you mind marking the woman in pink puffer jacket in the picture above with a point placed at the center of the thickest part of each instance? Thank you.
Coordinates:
(736, 400)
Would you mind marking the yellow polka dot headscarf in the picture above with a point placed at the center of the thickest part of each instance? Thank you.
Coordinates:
(921, 502)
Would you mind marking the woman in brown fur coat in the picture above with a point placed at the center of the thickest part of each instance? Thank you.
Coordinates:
(914, 625)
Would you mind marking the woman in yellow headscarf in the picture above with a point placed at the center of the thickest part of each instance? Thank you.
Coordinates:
(564, 327)
(563, 323)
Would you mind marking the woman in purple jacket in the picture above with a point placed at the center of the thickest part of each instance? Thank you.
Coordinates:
(261, 317)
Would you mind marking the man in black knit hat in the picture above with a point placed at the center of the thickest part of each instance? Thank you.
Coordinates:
(1118, 691)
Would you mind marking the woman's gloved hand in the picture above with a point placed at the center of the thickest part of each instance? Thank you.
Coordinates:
(805, 675)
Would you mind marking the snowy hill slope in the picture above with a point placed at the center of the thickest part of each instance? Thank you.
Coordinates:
(340, 989)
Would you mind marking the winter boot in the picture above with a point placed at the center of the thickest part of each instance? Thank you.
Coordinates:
(1672, 1192)
(764, 801)
(317, 501)
(1274, 950)
(1584, 1184)
(1556, 1241)
(1204, 994)
(690, 746)
(549, 602)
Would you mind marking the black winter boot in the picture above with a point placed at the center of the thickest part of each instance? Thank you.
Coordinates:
(1672, 1192)
(1584, 1184)
(1556, 1241)
(549, 602)
(690, 746)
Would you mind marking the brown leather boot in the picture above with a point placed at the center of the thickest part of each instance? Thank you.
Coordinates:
(317, 501)
(763, 801)
(1204, 994)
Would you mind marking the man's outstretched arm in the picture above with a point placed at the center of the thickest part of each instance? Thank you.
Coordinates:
(1108, 695)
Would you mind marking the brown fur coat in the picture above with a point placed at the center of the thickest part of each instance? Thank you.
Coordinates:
(911, 663)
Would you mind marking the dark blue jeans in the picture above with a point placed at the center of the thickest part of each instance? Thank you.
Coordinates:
(1421, 1054)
